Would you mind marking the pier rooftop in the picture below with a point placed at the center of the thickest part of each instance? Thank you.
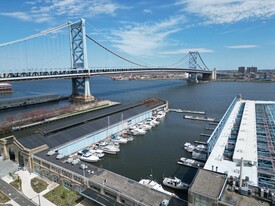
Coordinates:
(63, 131)
(247, 135)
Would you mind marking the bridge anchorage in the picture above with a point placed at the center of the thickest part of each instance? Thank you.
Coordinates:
(80, 85)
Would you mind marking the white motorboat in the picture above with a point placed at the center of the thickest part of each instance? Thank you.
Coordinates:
(96, 151)
(201, 147)
(175, 183)
(117, 139)
(153, 120)
(89, 157)
(154, 185)
(186, 144)
(144, 126)
(110, 149)
(102, 143)
(150, 123)
(190, 148)
(160, 115)
(139, 131)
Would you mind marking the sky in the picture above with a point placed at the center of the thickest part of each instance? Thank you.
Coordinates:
(226, 33)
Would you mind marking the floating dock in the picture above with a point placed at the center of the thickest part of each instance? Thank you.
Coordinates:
(200, 142)
(190, 162)
(210, 129)
(199, 118)
(205, 135)
(186, 111)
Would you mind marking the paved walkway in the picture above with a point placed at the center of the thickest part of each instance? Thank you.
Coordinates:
(30, 193)
(16, 197)
(6, 167)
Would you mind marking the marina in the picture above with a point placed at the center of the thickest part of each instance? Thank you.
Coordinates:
(73, 158)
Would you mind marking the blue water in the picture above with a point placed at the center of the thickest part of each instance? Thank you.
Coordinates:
(158, 151)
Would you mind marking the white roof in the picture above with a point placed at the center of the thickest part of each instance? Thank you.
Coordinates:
(226, 166)
(246, 145)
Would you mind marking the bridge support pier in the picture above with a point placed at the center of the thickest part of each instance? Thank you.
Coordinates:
(193, 78)
(80, 86)
(81, 90)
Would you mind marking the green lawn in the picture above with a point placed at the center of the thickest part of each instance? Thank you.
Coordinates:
(38, 185)
(17, 183)
(3, 198)
(63, 197)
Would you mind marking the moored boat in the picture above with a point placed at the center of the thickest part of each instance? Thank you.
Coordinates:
(110, 149)
(175, 183)
(156, 186)
(117, 139)
(160, 115)
(89, 157)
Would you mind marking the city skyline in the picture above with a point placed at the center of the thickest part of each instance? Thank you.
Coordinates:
(227, 33)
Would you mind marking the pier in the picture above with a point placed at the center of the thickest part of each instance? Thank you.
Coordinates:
(26, 101)
(199, 118)
(186, 111)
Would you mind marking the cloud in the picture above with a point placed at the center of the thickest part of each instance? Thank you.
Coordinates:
(228, 11)
(146, 39)
(147, 11)
(19, 15)
(187, 50)
(242, 46)
(43, 11)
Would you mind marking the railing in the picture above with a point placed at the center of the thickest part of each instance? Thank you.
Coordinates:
(216, 133)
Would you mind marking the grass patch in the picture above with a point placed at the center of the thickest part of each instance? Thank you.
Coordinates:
(38, 185)
(17, 183)
(63, 197)
(3, 198)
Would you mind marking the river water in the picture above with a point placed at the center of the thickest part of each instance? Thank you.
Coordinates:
(156, 152)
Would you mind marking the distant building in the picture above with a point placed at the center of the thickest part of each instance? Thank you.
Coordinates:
(265, 77)
(241, 70)
(251, 69)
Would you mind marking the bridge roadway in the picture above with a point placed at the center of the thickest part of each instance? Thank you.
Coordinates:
(8, 76)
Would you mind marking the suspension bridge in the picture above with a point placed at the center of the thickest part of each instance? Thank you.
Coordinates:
(57, 53)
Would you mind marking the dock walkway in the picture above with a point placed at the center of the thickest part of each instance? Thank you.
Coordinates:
(186, 111)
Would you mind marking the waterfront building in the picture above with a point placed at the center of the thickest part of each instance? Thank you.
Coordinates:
(37, 150)
(241, 150)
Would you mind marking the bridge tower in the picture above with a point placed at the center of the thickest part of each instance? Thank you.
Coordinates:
(80, 86)
(193, 56)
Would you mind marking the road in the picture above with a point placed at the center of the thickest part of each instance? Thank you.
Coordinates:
(13, 194)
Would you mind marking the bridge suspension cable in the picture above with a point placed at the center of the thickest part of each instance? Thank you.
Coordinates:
(42, 33)
(137, 64)
(179, 62)
(202, 61)
(118, 48)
